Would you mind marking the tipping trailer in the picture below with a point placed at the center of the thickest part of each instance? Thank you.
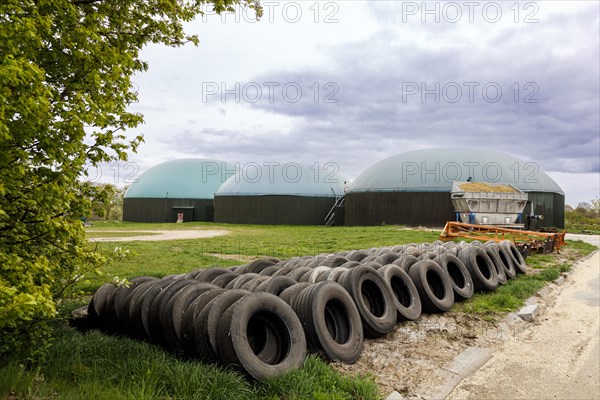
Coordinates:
(493, 204)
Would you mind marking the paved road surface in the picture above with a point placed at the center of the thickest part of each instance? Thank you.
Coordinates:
(560, 359)
(592, 239)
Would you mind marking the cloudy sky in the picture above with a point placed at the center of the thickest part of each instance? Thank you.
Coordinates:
(354, 82)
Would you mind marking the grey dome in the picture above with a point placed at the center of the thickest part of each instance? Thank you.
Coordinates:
(189, 178)
(434, 170)
(291, 179)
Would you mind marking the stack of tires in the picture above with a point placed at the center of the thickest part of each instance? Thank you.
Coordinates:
(264, 316)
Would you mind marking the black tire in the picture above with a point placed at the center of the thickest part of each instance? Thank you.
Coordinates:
(270, 270)
(429, 255)
(369, 258)
(317, 272)
(433, 285)
(406, 296)
(174, 311)
(497, 261)
(351, 264)
(297, 273)
(261, 334)
(122, 293)
(276, 285)
(188, 335)
(256, 266)
(253, 283)
(305, 277)
(335, 273)
(386, 258)
(127, 314)
(98, 303)
(157, 307)
(240, 281)
(373, 264)
(205, 325)
(283, 271)
(515, 256)
(311, 263)
(481, 268)
(140, 324)
(116, 303)
(398, 249)
(405, 262)
(222, 280)
(462, 283)
(509, 266)
(356, 255)
(331, 321)
(289, 294)
(373, 298)
(209, 275)
(334, 261)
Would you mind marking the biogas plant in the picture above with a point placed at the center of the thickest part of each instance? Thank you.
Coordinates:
(417, 188)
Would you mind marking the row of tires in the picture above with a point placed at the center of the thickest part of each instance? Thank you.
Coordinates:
(264, 316)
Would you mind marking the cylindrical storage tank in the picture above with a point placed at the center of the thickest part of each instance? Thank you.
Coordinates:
(279, 194)
(180, 188)
(413, 188)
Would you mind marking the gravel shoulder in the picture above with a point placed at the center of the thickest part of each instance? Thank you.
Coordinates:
(557, 356)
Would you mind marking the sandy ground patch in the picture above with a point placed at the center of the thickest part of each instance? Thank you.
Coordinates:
(160, 235)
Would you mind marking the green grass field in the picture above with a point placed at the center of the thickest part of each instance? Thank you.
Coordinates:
(94, 365)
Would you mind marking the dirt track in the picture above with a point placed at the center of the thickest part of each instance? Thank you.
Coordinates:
(159, 235)
(556, 357)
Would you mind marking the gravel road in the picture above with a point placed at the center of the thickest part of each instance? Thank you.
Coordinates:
(160, 235)
(557, 357)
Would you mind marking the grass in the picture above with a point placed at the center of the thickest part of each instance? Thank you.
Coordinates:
(95, 365)
(245, 242)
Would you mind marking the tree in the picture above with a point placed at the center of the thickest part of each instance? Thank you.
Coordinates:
(65, 85)
(111, 209)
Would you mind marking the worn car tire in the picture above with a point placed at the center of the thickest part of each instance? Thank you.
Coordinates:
(462, 283)
(331, 321)
(373, 298)
(406, 296)
(262, 335)
(433, 285)
(481, 268)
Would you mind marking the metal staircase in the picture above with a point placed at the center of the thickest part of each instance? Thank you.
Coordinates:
(330, 217)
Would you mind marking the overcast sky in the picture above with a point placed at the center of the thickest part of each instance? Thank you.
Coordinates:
(354, 82)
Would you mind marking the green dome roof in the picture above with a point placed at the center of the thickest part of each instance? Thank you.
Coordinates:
(190, 178)
(284, 179)
(434, 170)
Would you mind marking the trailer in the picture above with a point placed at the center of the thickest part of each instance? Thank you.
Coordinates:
(492, 204)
